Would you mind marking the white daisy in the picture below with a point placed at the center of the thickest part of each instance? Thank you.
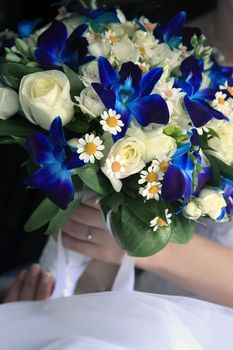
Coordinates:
(158, 222)
(90, 148)
(110, 36)
(162, 162)
(151, 191)
(114, 166)
(143, 66)
(111, 121)
(152, 174)
(220, 98)
(227, 87)
(173, 96)
(202, 129)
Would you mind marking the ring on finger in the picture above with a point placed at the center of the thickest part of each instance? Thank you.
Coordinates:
(89, 236)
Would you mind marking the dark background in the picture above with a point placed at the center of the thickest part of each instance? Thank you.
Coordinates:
(16, 204)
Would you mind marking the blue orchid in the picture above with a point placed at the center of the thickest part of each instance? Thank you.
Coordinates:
(55, 48)
(27, 28)
(97, 18)
(220, 74)
(195, 99)
(128, 93)
(170, 31)
(56, 158)
(178, 179)
(227, 186)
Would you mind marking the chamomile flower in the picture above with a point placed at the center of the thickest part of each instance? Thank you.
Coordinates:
(110, 36)
(227, 87)
(202, 129)
(163, 163)
(90, 148)
(111, 121)
(220, 98)
(115, 167)
(143, 66)
(158, 222)
(152, 174)
(151, 191)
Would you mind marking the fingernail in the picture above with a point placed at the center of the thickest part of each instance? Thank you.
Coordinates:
(47, 277)
(35, 268)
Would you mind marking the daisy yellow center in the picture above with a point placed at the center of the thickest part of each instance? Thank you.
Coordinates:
(116, 167)
(151, 177)
(143, 68)
(221, 101)
(154, 189)
(112, 122)
(90, 148)
(168, 93)
(142, 51)
(230, 90)
(161, 223)
(163, 166)
(112, 38)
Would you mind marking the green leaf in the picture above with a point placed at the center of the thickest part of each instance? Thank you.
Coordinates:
(215, 180)
(225, 170)
(182, 228)
(22, 46)
(42, 215)
(12, 57)
(17, 126)
(94, 179)
(172, 130)
(78, 125)
(76, 84)
(62, 216)
(136, 236)
(13, 72)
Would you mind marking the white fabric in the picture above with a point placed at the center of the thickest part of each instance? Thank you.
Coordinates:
(114, 321)
(68, 266)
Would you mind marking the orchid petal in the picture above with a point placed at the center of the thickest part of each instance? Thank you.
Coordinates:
(198, 114)
(56, 132)
(174, 26)
(47, 60)
(150, 109)
(176, 185)
(53, 39)
(40, 149)
(107, 96)
(55, 182)
(129, 69)
(149, 80)
(108, 75)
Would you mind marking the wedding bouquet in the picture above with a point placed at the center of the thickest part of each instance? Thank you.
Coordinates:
(140, 112)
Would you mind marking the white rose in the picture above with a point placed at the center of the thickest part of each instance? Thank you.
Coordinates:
(192, 211)
(223, 145)
(100, 48)
(125, 29)
(144, 40)
(90, 103)
(44, 96)
(9, 103)
(131, 152)
(89, 73)
(211, 202)
(125, 51)
(157, 145)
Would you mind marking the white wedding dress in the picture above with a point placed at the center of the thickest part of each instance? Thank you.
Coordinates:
(116, 321)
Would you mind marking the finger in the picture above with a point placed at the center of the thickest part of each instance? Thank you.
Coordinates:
(89, 216)
(75, 229)
(29, 286)
(15, 288)
(45, 286)
(83, 247)
(92, 202)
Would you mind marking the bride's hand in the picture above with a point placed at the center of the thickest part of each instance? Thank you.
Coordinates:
(87, 233)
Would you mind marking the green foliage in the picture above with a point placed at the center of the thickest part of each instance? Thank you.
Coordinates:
(60, 218)
(17, 126)
(76, 84)
(42, 215)
(78, 125)
(182, 228)
(11, 73)
(94, 179)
